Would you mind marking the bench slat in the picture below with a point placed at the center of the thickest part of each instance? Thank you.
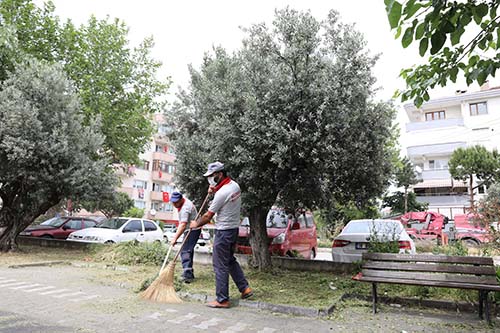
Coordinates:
(430, 267)
(436, 277)
(430, 283)
(429, 258)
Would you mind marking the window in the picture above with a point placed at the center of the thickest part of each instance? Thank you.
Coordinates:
(171, 150)
(163, 166)
(436, 115)
(438, 164)
(133, 226)
(156, 187)
(139, 204)
(302, 221)
(142, 184)
(162, 206)
(73, 224)
(88, 224)
(144, 165)
(149, 226)
(164, 129)
(309, 221)
(477, 109)
(158, 148)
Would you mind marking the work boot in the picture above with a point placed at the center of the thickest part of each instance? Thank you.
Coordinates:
(221, 305)
(187, 280)
(247, 293)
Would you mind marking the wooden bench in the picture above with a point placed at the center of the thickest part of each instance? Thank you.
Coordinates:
(476, 273)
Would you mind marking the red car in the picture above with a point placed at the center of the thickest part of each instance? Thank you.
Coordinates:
(59, 227)
(289, 235)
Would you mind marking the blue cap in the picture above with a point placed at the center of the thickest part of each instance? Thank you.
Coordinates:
(214, 167)
(176, 196)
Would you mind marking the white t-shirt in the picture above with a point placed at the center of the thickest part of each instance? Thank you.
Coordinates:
(188, 212)
(227, 206)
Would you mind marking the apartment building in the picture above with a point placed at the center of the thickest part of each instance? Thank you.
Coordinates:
(439, 127)
(150, 183)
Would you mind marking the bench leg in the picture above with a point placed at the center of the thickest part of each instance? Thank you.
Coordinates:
(374, 297)
(481, 302)
(487, 307)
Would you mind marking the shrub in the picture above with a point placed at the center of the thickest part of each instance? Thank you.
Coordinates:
(133, 253)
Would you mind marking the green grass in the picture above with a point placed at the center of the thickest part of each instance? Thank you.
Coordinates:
(310, 289)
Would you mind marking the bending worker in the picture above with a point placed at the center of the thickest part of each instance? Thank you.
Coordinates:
(187, 212)
(226, 207)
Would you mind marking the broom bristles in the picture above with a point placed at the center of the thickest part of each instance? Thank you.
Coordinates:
(162, 289)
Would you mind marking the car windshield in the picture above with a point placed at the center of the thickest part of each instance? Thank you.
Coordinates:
(369, 227)
(277, 219)
(55, 222)
(114, 223)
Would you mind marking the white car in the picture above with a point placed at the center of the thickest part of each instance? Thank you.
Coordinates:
(120, 229)
(202, 241)
(355, 238)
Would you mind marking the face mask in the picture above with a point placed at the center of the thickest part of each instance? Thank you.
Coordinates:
(211, 181)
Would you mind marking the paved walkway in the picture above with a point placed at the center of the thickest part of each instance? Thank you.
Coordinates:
(73, 299)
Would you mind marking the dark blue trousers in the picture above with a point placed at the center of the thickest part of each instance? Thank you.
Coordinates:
(225, 264)
(187, 254)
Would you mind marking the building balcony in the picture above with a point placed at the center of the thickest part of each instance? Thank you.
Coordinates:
(164, 216)
(440, 149)
(436, 124)
(161, 156)
(156, 196)
(435, 174)
(165, 177)
(161, 138)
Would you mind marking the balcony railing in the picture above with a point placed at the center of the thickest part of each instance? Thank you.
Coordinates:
(435, 174)
(428, 125)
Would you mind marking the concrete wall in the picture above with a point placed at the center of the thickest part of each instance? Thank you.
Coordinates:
(206, 258)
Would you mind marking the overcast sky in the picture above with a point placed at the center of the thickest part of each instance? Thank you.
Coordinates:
(184, 30)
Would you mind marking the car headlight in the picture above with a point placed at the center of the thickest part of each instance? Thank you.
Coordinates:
(25, 233)
(280, 239)
(71, 236)
(93, 238)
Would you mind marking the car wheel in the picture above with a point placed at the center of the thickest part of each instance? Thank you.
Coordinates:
(470, 242)
(47, 236)
(312, 254)
(109, 242)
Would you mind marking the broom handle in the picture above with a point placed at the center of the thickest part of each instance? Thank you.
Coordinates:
(187, 235)
(166, 258)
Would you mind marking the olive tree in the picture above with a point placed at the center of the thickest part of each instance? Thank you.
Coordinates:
(291, 115)
(46, 154)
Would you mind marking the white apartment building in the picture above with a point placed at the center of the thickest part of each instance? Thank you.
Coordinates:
(439, 127)
(150, 183)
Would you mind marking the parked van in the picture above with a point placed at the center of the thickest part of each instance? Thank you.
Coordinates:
(291, 235)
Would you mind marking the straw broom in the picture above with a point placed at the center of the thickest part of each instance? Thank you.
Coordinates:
(162, 289)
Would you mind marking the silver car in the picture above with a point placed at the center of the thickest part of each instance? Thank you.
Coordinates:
(355, 238)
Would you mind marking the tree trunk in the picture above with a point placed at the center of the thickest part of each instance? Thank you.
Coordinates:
(406, 199)
(261, 258)
(14, 219)
(11, 227)
(471, 189)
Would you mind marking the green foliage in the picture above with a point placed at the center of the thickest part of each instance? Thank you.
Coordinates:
(465, 163)
(134, 212)
(385, 242)
(290, 114)
(435, 23)
(396, 202)
(41, 125)
(405, 173)
(112, 204)
(456, 248)
(134, 253)
(114, 81)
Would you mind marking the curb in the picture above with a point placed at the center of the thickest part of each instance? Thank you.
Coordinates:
(42, 263)
(277, 308)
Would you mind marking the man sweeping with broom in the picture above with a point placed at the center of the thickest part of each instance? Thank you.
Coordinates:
(226, 207)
